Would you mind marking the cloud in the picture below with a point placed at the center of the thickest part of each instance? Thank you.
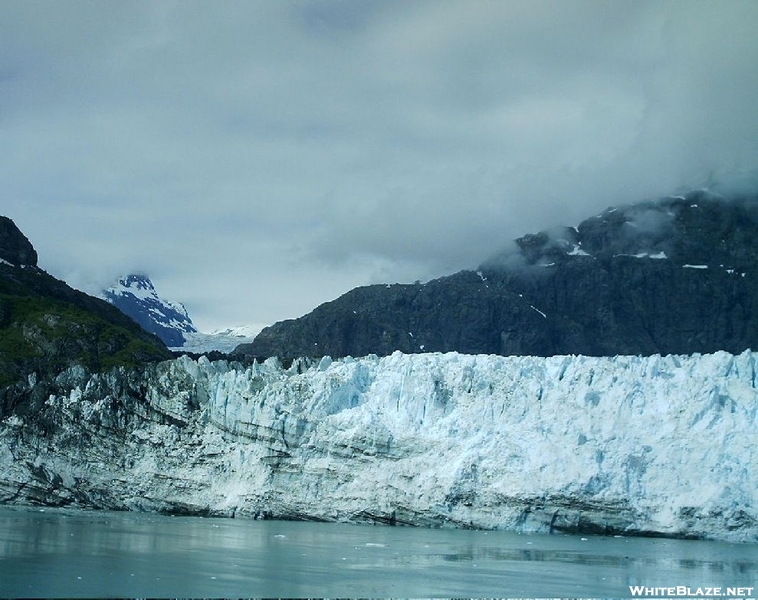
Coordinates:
(258, 157)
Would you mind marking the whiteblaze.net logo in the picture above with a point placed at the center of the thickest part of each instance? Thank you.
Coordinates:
(690, 592)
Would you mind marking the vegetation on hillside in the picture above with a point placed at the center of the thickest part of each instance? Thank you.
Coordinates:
(46, 326)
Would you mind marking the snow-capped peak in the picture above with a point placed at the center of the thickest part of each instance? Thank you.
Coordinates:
(136, 284)
(141, 288)
(135, 295)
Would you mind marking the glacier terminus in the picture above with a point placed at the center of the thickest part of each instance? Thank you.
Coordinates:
(625, 445)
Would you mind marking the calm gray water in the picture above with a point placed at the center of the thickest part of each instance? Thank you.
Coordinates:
(55, 553)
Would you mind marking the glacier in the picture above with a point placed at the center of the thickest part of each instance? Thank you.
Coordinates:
(626, 445)
(221, 340)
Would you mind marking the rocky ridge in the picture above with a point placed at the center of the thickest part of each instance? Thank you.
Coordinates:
(675, 275)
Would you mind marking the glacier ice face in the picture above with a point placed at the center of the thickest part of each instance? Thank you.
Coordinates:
(655, 445)
(220, 341)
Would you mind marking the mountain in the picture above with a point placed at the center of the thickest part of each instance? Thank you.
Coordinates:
(46, 326)
(674, 275)
(626, 445)
(135, 296)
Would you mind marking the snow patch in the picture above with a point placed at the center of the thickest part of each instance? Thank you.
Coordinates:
(657, 256)
(577, 251)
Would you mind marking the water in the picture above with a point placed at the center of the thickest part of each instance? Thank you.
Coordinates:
(55, 553)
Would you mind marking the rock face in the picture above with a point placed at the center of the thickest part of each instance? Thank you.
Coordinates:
(462, 312)
(135, 296)
(15, 248)
(677, 275)
(46, 326)
(625, 445)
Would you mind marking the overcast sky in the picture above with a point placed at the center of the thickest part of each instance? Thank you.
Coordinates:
(258, 158)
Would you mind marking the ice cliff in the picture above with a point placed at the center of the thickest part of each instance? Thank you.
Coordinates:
(656, 445)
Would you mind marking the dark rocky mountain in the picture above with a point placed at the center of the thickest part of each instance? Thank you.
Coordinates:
(47, 326)
(135, 296)
(675, 275)
(15, 248)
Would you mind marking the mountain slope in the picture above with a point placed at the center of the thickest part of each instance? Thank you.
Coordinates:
(46, 326)
(135, 296)
(676, 275)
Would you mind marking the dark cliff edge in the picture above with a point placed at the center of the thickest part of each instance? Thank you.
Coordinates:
(676, 275)
(47, 326)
